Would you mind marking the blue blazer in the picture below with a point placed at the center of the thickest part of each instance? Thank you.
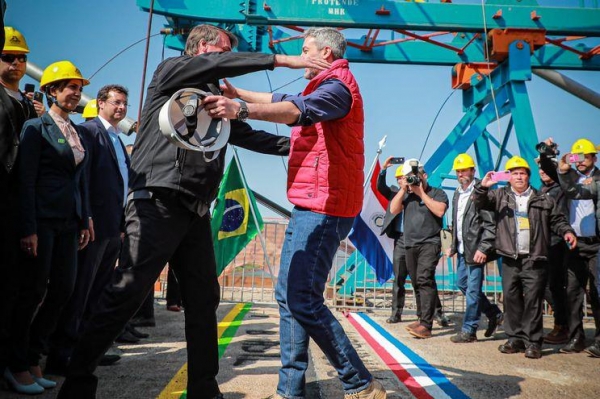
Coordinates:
(106, 186)
(51, 186)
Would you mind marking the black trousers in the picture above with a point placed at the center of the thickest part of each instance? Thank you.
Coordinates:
(158, 230)
(581, 271)
(556, 289)
(173, 294)
(523, 285)
(96, 265)
(49, 282)
(422, 261)
(400, 274)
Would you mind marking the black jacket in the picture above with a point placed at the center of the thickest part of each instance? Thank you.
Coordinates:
(558, 194)
(105, 183)
(389, 220)
(478, 230)
(51, 186)
(543, 214)
(158, 163)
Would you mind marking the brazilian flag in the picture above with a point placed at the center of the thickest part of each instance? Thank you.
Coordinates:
(233, 225)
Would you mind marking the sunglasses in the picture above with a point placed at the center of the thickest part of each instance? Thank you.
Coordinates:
(10, 58)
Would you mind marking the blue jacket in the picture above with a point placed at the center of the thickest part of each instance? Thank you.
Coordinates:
(105, 183)
(51, 186)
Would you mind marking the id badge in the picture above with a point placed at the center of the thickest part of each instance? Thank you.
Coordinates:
(523, 222)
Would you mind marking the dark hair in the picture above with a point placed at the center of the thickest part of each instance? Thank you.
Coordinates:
(208, 33)
(104, 92)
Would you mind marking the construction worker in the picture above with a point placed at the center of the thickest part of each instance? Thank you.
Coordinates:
(90, 111)
(524, 218)
(580, 185)
(15, 109)
(473, 236)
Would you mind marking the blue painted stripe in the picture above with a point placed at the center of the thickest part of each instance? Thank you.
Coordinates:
(436, 376)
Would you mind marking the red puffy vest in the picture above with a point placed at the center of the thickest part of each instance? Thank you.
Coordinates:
(326, 160)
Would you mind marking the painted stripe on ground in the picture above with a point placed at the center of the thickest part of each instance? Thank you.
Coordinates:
(227, 329)
(422, 379)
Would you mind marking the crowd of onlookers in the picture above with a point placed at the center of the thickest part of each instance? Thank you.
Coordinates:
(546, 242)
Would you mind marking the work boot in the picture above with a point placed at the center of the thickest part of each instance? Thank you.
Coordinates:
(558, 336)
(493, 324)
(374, 391)
(463, 338)
(421, 332)
(594, 349)
(413, 325)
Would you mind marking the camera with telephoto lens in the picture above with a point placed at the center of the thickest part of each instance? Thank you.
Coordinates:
(414, 179)
(548, 150)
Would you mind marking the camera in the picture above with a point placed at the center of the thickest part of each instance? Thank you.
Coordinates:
(414, 179)
(548, 150)
(397, 161)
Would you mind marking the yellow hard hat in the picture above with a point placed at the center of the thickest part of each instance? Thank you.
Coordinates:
(583, 146)
(61, 70)
(399, 172)
(516, 162)
(14, 41)
(463, 161)
(90, 110)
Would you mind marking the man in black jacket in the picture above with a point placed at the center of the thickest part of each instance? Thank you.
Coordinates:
(167, 214)
(473, 235)
(556, 289)
(524, 219)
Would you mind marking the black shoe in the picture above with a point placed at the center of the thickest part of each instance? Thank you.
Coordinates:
(219, 396)
(143, 322)
(575, 345)
(394, 319)
(514, 346)
(463, 338)
(107, 360)
(493, 324)
(135, 332)
(127, 338)
(442, 320)
(594, 349)
(534, 351)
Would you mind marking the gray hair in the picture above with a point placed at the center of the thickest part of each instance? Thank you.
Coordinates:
(328, 37)
(208, 33)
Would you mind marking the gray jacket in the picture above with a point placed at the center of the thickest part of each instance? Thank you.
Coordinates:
(579, 191)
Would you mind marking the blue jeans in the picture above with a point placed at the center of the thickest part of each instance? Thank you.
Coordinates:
(470, 280)
(311, 241)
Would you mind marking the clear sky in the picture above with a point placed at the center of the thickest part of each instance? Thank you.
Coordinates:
(400, 101)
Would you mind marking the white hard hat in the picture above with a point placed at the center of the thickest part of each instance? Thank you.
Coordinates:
(185, 123)
(408, 164)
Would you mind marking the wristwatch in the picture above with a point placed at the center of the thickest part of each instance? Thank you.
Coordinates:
(243, 113)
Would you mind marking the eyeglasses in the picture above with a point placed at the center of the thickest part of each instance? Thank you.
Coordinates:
(118, 103)
(10, 58)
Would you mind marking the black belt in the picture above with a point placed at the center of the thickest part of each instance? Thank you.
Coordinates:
(188, 201)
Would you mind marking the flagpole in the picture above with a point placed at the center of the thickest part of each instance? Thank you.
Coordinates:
(253, 211)
(372, 168)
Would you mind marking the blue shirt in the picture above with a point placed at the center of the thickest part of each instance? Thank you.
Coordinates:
(330, 100)
(121, 156)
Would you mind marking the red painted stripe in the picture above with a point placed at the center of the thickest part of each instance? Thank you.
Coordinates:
(382, 200)
(403, 375)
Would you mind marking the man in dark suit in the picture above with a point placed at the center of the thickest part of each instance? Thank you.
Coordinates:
(107, 176)
(393, 228)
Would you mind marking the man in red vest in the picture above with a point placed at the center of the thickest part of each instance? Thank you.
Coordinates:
(325, 177)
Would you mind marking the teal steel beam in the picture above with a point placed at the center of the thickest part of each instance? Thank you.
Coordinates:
(483, 153)
(388, 14)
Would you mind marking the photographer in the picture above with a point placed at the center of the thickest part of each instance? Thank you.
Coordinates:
(582, 186)
(524, 218)
(423, 207)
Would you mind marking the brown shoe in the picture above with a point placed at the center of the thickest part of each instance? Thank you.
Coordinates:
(374, 391)
(421, 332)
(413, 325)
(558, 336)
